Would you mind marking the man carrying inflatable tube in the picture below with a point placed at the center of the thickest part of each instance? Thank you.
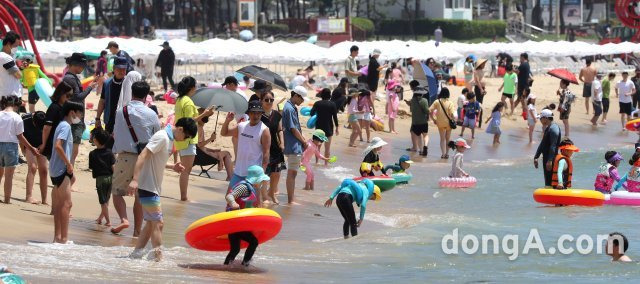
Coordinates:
(241, 196)
(351, 191)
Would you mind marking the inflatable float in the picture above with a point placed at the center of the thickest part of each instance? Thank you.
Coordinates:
(622, 198)
(210, 233)
(402, 178)
(633, 125)
(450, 182)
(86, 82)
(306, 111)
(44, 91)
(582, 197)
(311, 123)
(383, 182)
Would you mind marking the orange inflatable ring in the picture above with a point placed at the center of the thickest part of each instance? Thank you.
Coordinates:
(210, 233)
(581, 197)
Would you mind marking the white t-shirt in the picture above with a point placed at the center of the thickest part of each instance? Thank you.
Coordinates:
(461, 100)
(9, 85)
(533, 113)
(11, 125)
(298, 81)
(160, 145)
(625, 88)
(596, 90)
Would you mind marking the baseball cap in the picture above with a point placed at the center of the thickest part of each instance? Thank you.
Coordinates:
(255, 106)
(120, 63)
(405, 159)
(376, 52)
(545, 113)
(300, 90)
(460, 142)
(165, 44)
(230, 80)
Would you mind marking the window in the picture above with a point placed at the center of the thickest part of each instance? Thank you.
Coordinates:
(448, 4)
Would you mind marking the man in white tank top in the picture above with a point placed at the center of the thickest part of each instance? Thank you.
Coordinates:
(254, 141)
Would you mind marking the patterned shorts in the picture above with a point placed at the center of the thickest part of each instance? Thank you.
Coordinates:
(151, 209)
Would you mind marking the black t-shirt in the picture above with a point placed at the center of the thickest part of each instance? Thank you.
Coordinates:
(101, 162)
(523, 74)
(327, 113)
(32, 133)
(53, 117)
(371, 157)
(337, 93)
(273, 122)
(374, 74)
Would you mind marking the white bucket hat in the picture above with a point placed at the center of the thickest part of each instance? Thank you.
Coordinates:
(376, 142)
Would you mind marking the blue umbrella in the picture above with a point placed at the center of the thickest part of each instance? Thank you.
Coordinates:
(424, 74)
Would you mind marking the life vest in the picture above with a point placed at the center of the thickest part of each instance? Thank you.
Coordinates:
(246, 202)
(566, 175)
(633, 180)
(604, 181)
(366, 169)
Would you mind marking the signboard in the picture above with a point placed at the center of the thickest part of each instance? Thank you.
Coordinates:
(333, 26)
(172, 34)
(247, 13)
(572, 11)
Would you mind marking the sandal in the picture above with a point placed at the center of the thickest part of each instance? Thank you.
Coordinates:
(446, 156)
(411, 150)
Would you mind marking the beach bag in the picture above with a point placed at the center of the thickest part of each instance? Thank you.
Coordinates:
(452, 123)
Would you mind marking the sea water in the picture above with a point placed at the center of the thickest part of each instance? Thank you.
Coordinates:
(400, 239)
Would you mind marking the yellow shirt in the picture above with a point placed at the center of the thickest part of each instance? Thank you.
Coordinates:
(185, 108)
(441, 118)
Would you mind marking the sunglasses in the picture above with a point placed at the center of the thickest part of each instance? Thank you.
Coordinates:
(269, 100)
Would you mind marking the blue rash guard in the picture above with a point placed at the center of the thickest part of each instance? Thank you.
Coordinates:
(360, 192)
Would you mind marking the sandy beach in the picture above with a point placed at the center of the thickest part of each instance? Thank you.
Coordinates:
(33, 220)
(31, 223)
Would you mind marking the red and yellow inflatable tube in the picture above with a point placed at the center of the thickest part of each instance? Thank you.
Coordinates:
(210, 233)
(582, 197)
(633, 125)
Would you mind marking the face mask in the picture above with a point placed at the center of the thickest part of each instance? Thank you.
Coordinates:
(75, 120)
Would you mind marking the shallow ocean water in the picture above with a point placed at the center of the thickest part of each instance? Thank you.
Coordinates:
(400, 239)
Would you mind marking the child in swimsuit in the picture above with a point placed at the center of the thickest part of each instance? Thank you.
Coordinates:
(460, 145)
(313, 146)
(631, 180)
(403, 165)
(608, 174)
(371, 161)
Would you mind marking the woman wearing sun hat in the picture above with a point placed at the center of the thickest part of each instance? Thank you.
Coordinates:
(351, 191)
